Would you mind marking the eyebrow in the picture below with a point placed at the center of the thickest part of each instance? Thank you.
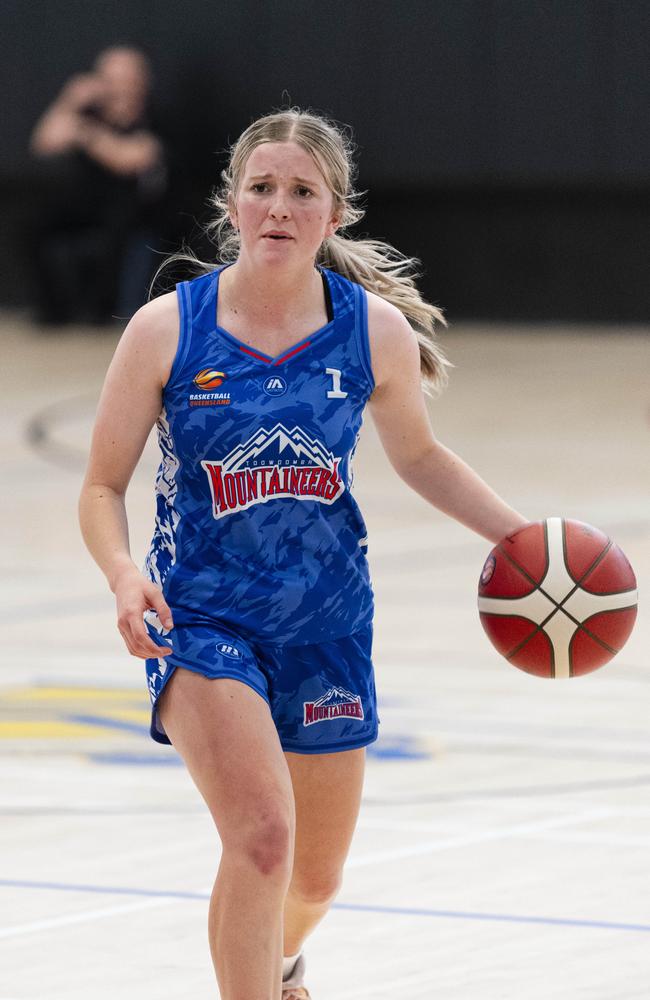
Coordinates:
(301, 180)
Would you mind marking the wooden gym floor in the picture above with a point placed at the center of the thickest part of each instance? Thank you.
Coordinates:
(502, 848)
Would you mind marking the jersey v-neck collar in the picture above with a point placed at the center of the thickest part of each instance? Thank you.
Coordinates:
(279, 359)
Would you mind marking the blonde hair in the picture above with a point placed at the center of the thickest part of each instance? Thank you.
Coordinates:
(374, 264)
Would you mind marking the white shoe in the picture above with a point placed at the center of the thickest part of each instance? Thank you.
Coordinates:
(293, 988)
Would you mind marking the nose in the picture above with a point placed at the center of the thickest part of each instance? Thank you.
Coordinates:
(279, 208)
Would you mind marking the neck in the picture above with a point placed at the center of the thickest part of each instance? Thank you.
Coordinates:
(271, 293)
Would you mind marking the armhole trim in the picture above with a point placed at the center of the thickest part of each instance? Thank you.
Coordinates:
(185, 329)
(361, 332)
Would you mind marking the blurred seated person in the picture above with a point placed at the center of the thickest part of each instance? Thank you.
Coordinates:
(101, 179)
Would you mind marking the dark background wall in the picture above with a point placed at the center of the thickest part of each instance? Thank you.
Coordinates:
(504, 142)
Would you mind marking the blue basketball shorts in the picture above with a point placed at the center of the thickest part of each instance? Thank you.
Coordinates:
(322, 697)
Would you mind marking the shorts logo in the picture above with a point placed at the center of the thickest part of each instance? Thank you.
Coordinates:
(227, 650)
(337, 703)
(205, 380)
(275, 463)
(275, 385)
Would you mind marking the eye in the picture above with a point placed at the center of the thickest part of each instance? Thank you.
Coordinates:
(259, 187)
(303, 191)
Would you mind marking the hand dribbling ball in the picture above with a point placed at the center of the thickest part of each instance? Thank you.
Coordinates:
(557, 598)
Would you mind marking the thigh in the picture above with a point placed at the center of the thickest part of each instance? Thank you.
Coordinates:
(327, 790)
(224, 732)
(209, 649)
(322, 696)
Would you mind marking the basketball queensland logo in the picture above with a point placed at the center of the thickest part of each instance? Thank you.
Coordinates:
(207, 380)
(275, 463)
(337, 703)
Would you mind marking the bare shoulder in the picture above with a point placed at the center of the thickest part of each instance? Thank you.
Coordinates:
(392, 338)
(157, 319)
(152, 334)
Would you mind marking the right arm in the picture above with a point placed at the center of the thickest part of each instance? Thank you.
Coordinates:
(129, 406)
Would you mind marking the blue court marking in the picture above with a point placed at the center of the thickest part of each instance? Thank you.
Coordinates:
(510, 918)
(162, 758)
(399, 911)
(105, 722)
(107, 890)
(386, 748)
(397, 748)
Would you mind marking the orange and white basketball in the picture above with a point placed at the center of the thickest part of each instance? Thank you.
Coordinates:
(557, 598)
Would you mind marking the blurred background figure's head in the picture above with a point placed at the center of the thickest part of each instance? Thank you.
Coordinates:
(125, 77)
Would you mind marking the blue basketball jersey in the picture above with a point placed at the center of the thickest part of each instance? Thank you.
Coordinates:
(256, 525)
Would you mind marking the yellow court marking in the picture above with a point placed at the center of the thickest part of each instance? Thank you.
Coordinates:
(51, 730)
(72, 694)
(142, 715)
(71, 713)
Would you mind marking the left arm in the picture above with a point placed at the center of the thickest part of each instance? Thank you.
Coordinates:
(399, 412)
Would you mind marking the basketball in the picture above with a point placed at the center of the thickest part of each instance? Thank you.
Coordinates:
(557, 598)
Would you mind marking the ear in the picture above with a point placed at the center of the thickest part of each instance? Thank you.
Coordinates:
(332, 226)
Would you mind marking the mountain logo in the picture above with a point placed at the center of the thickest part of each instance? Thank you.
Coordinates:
(273, 464)
(337, 703)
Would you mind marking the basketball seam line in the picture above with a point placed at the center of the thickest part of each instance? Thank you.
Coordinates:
(589, 569)
(540, 627)
(586, 573)
(536, 585)
(601, 642)
(559, 606)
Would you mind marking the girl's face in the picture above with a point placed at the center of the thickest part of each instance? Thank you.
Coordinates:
(283, 209)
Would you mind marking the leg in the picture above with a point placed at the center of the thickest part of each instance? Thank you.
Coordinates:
(225, 734)
(327, 790)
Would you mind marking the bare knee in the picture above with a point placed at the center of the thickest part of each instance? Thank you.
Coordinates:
(265, 843)
(316, 887)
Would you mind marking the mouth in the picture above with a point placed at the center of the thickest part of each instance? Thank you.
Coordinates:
(277, 236)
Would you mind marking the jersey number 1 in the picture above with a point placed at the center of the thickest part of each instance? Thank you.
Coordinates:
(335, 391)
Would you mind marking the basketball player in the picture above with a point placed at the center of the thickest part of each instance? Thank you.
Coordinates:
(256, 597)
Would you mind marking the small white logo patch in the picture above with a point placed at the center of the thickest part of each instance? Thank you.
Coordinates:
(227, 650)
(275, 385)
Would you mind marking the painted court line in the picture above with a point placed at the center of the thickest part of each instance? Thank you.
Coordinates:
(452, 843)
(154, 897)
(594, 839)
(509, 918)
(78, 918)
(105, 890)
